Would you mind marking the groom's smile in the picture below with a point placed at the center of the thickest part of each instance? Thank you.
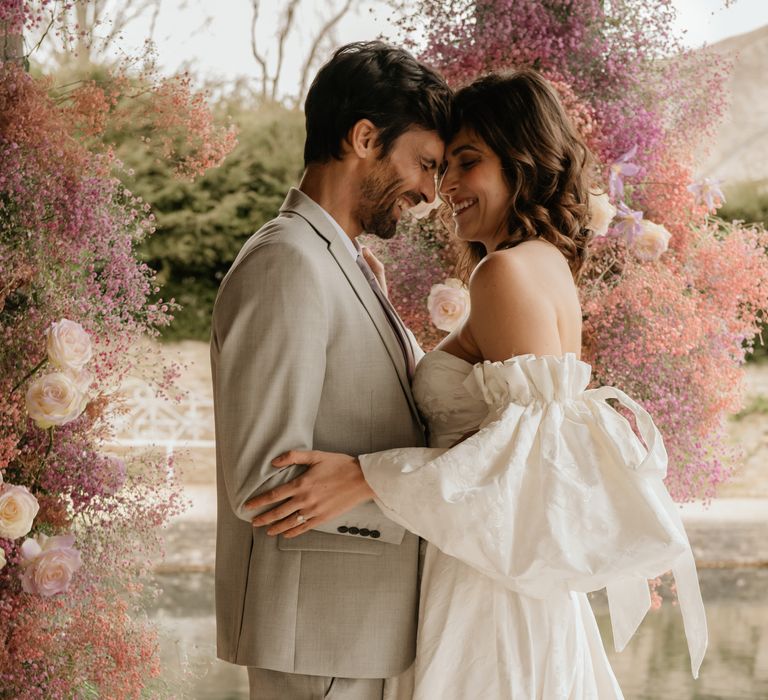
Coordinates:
(400, 181)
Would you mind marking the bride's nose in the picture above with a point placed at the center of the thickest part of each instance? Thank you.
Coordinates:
(448, 183)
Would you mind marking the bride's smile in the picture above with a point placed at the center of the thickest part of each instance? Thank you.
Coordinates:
(473, 184)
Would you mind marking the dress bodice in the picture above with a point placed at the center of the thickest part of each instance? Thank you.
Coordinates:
(456, 396)
(446, 404)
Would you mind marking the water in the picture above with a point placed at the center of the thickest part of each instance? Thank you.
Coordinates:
(654, 666)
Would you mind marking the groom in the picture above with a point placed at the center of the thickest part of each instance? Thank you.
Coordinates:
(307, 352)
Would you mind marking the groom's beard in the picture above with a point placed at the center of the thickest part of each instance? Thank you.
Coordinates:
(378, 194)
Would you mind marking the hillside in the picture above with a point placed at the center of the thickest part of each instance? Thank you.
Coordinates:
(740, 151)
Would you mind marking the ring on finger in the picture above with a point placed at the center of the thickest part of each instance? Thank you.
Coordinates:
(300, 519)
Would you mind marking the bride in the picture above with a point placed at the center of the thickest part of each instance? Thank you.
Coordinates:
(535, 490)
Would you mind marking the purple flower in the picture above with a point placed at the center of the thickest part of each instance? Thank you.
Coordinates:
(619, 169)
(628, 222)
(708, 192)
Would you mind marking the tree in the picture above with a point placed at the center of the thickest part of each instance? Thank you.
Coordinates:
(270, 55)
(11, 43)
(202, 224)
(86, 30)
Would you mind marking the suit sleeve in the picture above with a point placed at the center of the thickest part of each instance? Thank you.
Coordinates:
(269, 337)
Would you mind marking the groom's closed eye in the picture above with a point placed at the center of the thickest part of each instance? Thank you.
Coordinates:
(428, 166)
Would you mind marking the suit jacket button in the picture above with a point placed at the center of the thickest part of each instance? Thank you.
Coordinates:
(375, 534)
(364, 531)
(354, 531)
(342, 528)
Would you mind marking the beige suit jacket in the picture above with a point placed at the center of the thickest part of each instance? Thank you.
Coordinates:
(303, 356)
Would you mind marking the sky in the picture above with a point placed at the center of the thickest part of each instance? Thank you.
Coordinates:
(217, 45)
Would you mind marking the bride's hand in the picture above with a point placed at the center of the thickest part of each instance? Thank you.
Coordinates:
(332, 485)
(377, 267)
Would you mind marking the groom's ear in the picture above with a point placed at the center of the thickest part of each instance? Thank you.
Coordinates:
(363, 139)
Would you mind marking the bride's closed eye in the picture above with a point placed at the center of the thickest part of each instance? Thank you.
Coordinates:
(468, 164)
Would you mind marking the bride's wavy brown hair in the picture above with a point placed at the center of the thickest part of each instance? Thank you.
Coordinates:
(544, 160)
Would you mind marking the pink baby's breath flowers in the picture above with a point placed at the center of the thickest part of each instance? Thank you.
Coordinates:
(48, 564)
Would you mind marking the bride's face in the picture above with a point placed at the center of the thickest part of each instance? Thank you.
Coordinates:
(475, 188)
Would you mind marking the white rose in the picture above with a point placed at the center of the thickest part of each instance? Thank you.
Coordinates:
(651, 242)
(54, 399)
(448, 304)
(18, 508)
(601, 213)
(423, 209)
(69, 346)
(48, 564)
(82, 379)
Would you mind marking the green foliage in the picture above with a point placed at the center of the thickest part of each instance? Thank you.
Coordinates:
(746, 201)
(202, 224)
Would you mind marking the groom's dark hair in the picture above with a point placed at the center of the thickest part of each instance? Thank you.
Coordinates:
(372, 80)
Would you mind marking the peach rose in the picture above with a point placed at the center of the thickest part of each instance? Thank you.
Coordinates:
(601, 213)
(48, 564)
(54, 399)
(448, 304)
(651, 242)
(18, 508)
(69, 346)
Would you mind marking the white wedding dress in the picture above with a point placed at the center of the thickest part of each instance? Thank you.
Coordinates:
(554, 497)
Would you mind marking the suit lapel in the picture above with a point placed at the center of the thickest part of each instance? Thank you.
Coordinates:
(298, 203)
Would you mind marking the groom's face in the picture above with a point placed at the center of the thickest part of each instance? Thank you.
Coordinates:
(399, 181)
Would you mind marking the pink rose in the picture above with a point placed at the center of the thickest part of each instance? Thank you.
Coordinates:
(48, 564)
(448, 304)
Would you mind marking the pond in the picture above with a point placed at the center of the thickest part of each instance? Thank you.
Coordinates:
(654, 666)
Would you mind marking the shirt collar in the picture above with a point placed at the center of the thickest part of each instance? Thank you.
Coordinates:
(352, 246)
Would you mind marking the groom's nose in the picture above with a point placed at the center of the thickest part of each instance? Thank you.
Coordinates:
(428, 188)
(447, 184)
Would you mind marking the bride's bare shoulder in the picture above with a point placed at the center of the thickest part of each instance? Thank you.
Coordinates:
(509, 313)
(531, 262)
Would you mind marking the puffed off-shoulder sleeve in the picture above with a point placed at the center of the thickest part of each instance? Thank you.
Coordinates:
(555, 492)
